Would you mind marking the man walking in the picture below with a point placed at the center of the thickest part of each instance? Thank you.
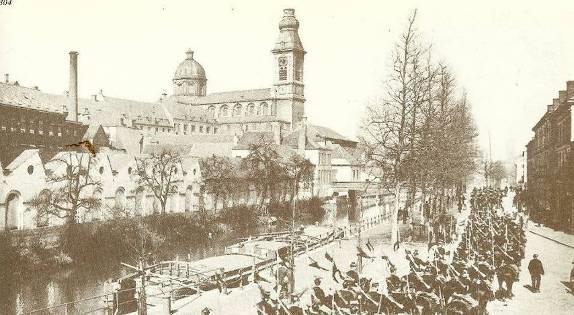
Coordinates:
(536, 271)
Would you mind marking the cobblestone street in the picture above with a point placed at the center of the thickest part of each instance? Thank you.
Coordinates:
(554, 296)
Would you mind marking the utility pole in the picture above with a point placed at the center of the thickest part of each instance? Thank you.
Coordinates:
(359, 258)
(292, 258)
(142, 309)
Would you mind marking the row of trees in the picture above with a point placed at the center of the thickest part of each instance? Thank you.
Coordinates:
(420, 135)
(75, 185)
(264, 172)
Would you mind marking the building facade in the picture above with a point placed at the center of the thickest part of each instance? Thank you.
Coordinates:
(550, 164)
(36, 127)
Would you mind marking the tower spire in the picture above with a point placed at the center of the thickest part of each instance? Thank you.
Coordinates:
(289, 54)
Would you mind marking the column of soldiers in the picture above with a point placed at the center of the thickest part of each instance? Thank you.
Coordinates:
(457, 278)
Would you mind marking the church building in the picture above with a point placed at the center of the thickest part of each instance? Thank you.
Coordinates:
(277, 109)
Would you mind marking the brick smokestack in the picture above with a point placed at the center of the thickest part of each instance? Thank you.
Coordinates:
(73, 89)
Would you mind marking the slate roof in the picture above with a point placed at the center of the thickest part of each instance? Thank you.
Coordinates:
(195, 145)
(292, 140)
(226, 97)
(20, 96)
(324, 132)
(21, 159)
(91, 132)
(109, 111)
(159, 148)
(191, 139)
(126, 139)
(254, 137)
(106, 111)
(185, 111)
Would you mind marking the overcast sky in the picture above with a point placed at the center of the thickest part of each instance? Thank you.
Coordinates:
(512, 57)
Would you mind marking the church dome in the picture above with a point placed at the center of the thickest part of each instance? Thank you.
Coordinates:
(189, 68)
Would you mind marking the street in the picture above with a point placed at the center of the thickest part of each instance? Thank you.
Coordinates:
(554, 297)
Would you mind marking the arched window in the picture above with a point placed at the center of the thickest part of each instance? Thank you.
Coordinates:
(13, 209)
(237, 110)
(189, 199)
(120, 199)
(224, 111)
(211, 112)
(250, 109)
(263, 109)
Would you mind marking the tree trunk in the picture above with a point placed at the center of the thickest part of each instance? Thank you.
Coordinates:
(395, 237)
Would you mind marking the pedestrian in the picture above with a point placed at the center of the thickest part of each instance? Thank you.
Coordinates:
(572, 276)
(536, 271)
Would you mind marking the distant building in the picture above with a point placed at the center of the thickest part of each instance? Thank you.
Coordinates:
(520, 171)
(550, 163)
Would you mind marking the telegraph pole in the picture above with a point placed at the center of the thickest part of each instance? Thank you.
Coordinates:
(359, 257)
(292, 258)
(142, 309)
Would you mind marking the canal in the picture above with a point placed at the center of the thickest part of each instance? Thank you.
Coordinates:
(40, 290)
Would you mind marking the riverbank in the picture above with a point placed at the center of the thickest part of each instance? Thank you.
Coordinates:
(95, 243)
(34, 281)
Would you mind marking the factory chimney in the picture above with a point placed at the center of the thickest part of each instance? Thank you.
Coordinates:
(73, 90)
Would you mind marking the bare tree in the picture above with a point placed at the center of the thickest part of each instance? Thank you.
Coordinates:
(219, 178)
(496, 171)
(388, 129)
(159, 173)
(74, 187)
(265, 170)
(421, 135)
(299, 171)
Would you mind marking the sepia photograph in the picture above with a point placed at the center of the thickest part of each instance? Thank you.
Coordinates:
(286, 157)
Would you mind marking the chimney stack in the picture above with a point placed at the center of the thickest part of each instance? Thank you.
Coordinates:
(562, 96)
(73, 90)
(570, 89)
(7, 77)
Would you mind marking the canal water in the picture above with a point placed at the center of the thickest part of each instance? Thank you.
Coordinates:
(36, 291)
(26, 293)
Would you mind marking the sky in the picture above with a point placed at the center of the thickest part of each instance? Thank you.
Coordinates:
(511, 57)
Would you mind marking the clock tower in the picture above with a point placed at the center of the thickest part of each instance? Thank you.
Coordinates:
(288, 55)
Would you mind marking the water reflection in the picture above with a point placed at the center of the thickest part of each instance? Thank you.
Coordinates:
(25, 293)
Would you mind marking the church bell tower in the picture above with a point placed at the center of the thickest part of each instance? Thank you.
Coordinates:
(288, 55)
